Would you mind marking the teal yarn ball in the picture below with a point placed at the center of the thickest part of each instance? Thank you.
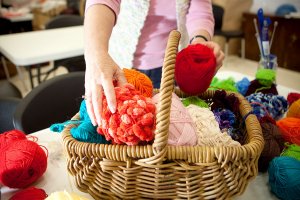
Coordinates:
(284, 177)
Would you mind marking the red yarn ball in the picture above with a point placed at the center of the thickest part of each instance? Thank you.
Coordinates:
(292, 97)
(194, 69)
(8, 137)
(31, 193)
(22, 163)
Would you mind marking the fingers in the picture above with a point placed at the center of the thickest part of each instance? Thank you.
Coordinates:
(219, 55)
(89, 105)
(97, 92)
(109, 91)
(121, 78)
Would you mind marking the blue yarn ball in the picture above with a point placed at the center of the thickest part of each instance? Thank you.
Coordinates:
(243, 85)
(284, 177)
(285, 9)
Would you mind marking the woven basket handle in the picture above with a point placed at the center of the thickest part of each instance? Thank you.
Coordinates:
(166, 89)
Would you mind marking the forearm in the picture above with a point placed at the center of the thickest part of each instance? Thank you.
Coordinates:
(98, 25)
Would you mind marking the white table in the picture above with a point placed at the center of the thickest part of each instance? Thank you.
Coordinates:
(30, 48)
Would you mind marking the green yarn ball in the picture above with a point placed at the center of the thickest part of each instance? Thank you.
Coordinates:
(225, 84)
(292, 150)
(266, 77)
(195, 101)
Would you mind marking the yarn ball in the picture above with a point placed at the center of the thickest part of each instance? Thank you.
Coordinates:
(274, 144)
(22, 163)
(263, 104)
(243, 85)
(140, 81)
(225, 84)
(292, 97)
(291, 150)
(294, 109)
(194, 68)
(256, 87)
(266, 77)
(181, 129)
(221, 100)
(290, 129)
(207, 128)
(8, 137)
(31, 193)
(195, 101)
(133, 121)
(284, 177)
(64, 195)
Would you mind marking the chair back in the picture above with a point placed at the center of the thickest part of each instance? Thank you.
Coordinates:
(54, 101)
(218, 13)
(7, 109)
(61, 21)
(5, 26)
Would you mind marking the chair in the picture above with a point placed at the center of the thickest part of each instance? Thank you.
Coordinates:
(218, 13)
(71, 64)
(54, 101)
(7, 109)
(5, 26)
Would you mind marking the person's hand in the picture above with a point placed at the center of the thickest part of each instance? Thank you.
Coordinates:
(216, 50)
(100, 73)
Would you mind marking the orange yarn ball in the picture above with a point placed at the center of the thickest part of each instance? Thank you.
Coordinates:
(140, 81)
(294, 110)
(290, 129)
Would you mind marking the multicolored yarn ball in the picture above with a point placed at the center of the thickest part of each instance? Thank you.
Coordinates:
(274, 144)
(140, 81)
(8, 137)
(225, 84)
(31, 193)
(243, 85)
(284, 177)
(266, 77)
(181, 129)
(64, 195)
(195, 101)
(256, 87)
(294, 109)
(22, 163)
(207, 128)
(133, 121)
(293, 96)
(275, 105)
(291, 150)
(290, 129)
(194, 68)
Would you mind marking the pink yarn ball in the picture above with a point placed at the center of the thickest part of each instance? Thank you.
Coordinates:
(182, 131)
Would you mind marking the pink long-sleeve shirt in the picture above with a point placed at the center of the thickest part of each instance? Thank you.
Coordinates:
(160, 21)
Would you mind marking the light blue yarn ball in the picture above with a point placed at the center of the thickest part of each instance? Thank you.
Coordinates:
(284, 177)
(243, 85)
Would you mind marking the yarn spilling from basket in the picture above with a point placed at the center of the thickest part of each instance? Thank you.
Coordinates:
(32, 193)
(294, 109)
(284, 177)
(275, 105)
(243, 85)
(140, 81)
(133, 121)
(207, 128)
(274, 144)
(256, 87)
(291, 150)
(293, 96)
(22, 161)
(64, 195)
(181, 129)
(194, 68)
(225, 84)
(290, 129)
(195, 101)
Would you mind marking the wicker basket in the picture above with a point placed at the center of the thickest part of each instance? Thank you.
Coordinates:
(160, 171)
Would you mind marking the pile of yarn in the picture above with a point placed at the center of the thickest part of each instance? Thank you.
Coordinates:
(140, 81)
(133, 121)
(181, 129)
(22, 161)
(194, 68)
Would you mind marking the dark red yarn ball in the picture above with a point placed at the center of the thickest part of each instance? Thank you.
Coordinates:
(292, 97)
(22, 163)
(255, 86)
(31, 193)
(194, 69)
